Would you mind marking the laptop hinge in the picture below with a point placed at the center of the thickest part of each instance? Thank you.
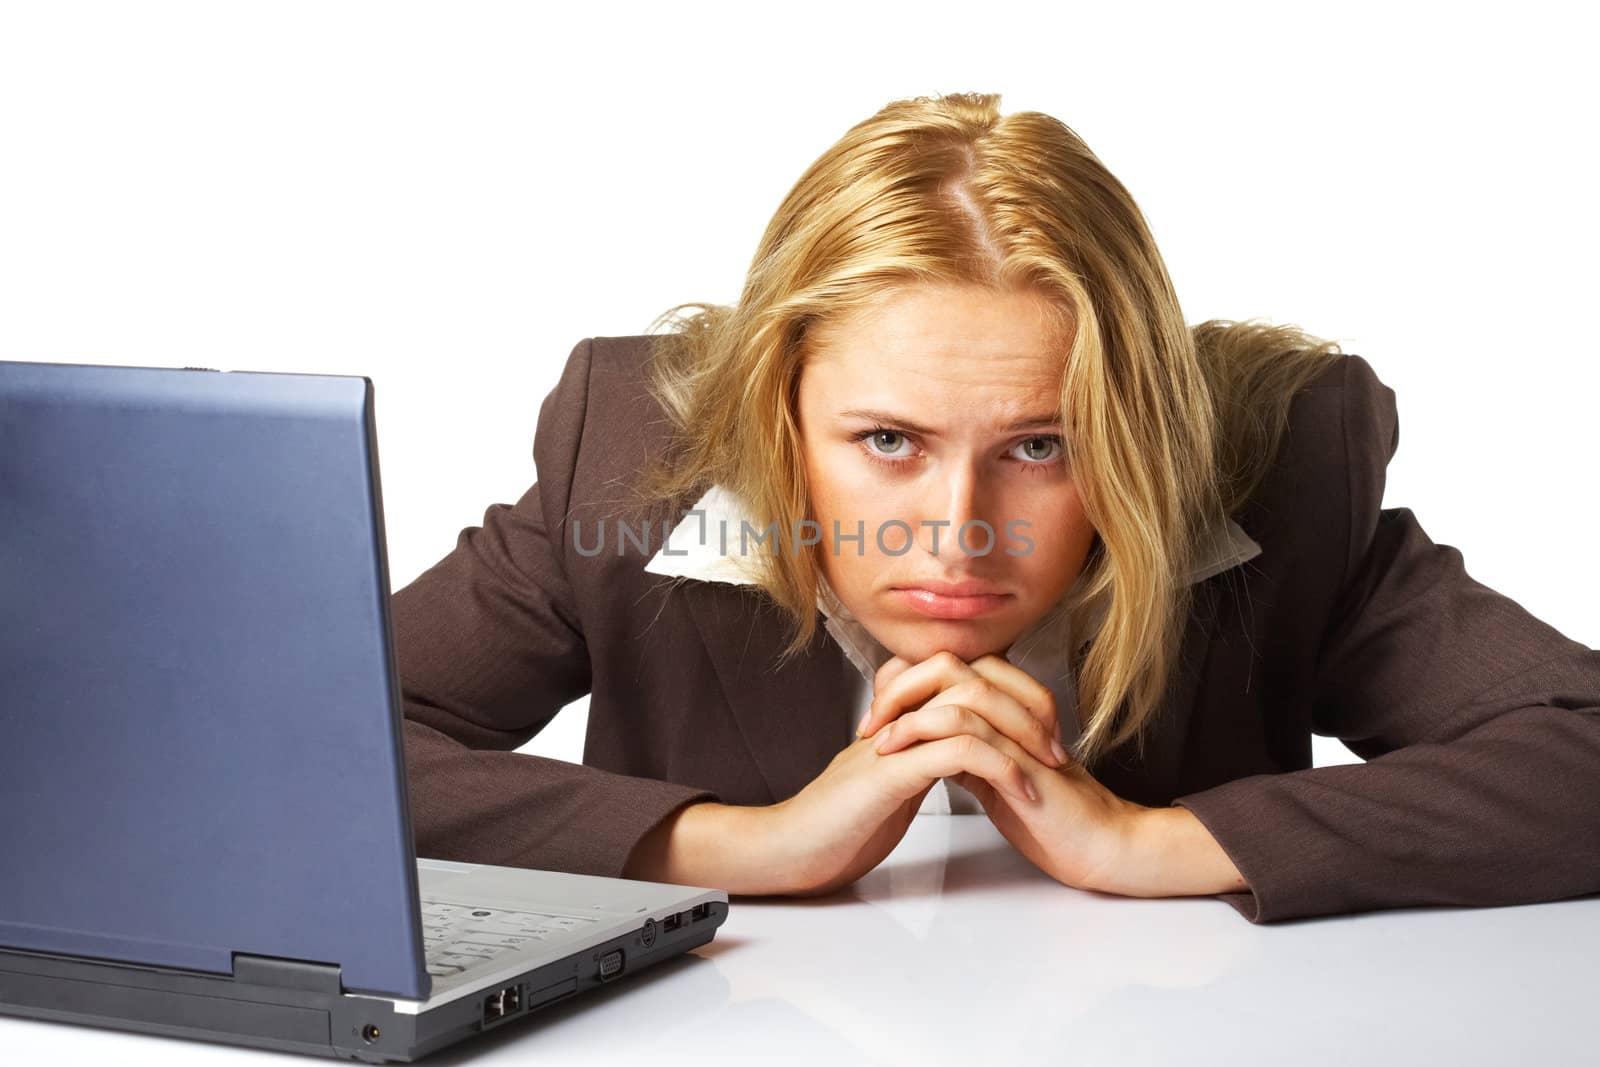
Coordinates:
(286, 973)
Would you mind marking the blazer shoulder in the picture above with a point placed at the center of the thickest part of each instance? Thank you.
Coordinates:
(1342, 423)
(1371, 422)
(599, 429)
(619, 379)
(600, 420)
(625, 426)
(597, 373)
(1316, 505)
(624, 352)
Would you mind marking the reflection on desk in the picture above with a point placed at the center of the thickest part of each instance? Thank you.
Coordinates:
(957, 950)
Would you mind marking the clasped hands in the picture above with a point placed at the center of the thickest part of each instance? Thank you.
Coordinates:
(993, 729)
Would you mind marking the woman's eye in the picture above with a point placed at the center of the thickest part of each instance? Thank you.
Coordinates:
(885, 446)
(1029, 447)
(884, 441)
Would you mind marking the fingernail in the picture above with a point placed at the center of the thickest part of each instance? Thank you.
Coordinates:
(1059, 752)
(861, 727)
(1033, 794)
(883, 738)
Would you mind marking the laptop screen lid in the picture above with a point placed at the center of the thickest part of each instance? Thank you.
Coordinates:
(199, 716)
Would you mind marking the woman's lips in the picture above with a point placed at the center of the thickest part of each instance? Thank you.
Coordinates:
(945, 606)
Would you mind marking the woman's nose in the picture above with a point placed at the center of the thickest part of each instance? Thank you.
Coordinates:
(955, 514)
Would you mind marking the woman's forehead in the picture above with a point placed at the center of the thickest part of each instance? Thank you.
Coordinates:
(995, 373)
(954, 332)
(937, 396)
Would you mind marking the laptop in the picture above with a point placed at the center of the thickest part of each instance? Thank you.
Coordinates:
(206, 829)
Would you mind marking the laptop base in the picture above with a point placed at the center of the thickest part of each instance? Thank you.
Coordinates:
(297, 1006)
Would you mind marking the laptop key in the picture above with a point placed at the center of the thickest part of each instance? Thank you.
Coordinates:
(485, 927)
(529, 921)
(469, 948)
(575, 920)
(497, 941)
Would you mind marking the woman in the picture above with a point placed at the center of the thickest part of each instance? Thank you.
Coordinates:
(953, 512)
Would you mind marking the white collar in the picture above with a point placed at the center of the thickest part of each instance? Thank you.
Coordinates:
(696, 549)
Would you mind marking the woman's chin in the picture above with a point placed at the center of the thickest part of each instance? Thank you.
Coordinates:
(969, 639)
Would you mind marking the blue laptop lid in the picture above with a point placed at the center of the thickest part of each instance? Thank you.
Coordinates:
(200, 744)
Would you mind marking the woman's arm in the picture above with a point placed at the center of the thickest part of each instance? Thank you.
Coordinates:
(1480, 724)
(711, 844)
(1167, 852)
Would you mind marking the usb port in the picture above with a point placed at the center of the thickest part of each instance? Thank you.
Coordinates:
(502, 1005)
(671, 922)
(700, 911)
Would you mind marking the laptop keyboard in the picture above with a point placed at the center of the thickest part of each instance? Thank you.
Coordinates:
(457, 937)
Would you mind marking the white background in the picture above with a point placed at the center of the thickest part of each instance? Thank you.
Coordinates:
(447, 197)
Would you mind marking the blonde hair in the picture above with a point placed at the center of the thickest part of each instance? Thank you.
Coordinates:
(1167, 429)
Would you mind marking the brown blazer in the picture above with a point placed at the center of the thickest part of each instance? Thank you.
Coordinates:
(1479, 722)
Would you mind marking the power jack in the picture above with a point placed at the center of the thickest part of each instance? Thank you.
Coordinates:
(502, 1004)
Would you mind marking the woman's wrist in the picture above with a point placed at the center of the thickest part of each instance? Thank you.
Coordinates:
(709, 844)
(1168, 852)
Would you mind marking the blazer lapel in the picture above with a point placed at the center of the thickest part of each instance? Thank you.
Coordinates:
(794, 719)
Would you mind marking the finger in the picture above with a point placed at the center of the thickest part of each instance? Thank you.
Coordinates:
(1027, 690)
(949, 756)
(891, 669)
(912, 686)
(1003, 712)
(954, 681)
(932, 723)
(979, 708)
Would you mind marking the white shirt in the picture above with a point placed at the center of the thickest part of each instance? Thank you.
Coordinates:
(706, 547)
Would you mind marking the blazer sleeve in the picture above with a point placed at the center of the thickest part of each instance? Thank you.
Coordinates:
(1480, 725)
(489, 648)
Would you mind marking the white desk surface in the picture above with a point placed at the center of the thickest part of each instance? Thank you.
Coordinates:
(956, 950)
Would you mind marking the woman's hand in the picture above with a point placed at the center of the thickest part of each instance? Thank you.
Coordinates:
(853, 814)
(1014, 702)
(1078, 829)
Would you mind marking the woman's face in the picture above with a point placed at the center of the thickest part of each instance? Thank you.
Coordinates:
(962, 386)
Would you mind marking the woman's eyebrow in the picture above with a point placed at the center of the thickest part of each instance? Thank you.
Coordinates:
(1034, 422)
